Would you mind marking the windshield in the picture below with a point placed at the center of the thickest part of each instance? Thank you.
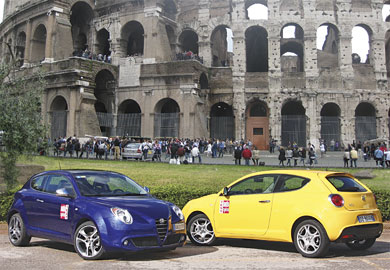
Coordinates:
(99, 184)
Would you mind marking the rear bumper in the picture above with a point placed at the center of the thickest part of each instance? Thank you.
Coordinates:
(361, 232)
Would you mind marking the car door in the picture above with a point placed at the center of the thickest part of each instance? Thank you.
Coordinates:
(32, 201)
(55, 213)
(245, 212)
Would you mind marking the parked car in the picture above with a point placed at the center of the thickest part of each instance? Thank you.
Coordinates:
(96, 211)
(132, 150)
(308, 208)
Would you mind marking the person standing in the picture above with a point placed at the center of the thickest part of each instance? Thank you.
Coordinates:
(354, 157)
(247, 155)
(282, 156)
(117, 148)
(255, 156)
(346, 157)
(302, 154)
(289, 156)
(196, 153)
(237, 155)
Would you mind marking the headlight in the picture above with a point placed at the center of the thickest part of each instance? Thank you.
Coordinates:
(122, 214)
(178, 212)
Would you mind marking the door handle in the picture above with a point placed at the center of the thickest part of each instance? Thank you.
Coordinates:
(266, 201)
(41, 201)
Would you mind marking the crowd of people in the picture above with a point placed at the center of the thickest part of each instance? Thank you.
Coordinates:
(91, 56)
(188, 55)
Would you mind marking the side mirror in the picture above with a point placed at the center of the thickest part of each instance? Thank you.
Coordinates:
(63, 192)
(226, 191)
(147, 189)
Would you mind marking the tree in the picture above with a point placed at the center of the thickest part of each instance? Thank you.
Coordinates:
(20, 118)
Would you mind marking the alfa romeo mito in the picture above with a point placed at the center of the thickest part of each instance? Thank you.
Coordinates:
(96, 211)
(308, 208)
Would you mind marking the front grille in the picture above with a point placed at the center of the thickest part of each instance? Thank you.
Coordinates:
(162, 228)
(145, 242)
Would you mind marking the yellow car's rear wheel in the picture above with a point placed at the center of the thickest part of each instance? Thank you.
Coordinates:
(200, 231)
(311, 239)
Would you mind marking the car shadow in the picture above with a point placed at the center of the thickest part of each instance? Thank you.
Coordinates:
(335, 250)
(53, 245)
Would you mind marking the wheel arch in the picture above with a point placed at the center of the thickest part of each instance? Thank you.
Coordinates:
(299, 220)
(196, 213)
(11, 213)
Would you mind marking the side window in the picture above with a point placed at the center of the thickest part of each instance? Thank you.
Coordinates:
(57, 182)
(38, 182)
(290, 182)
(254, 185)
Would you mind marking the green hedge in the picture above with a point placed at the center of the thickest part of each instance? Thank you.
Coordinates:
(180, 195)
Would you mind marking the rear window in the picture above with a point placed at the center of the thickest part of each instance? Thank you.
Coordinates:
(345, 184)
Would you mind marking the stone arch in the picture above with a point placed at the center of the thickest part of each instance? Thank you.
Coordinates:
(129, 118)
(167, 119)
(38, 44)
(330, 123)
(257, 124)
(105, 84)
(328, 46)
(219, 46)
(81, 20)
(365, 122)
(132, 36)
(258, 6)
(20, 47)
(59, 116)
(386, 11)
(359, 32)
(293, 123)
(256, 41)
(203, 81)
(292, 48)
(103, 42)
(221, 121)
(188, 41)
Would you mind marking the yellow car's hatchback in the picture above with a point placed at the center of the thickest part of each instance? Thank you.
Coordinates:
(309, 208)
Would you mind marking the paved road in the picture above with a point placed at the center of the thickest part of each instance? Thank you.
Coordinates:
(227, 254)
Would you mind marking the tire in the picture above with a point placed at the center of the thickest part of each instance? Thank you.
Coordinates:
(87, 242)
(311, 239)
(361, 244)
(200, 230)
(17, 231)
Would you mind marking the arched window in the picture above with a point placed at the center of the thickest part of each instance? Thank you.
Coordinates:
(20, 48)
(292, 48)
(386, 12)
(361, 39)
(38, 44)
(365, 122)
(105, 86)
(222, 46)
(129, 119)
(189, 41)
(293, 124)
(203, 81)
(167, 119)
(133, 39)
(257, 124)
(103, 43)
(256, 41)
(328, 44)
(221, 121)
(81, 18)
(59, 114)
(256, 9)
(330, 123)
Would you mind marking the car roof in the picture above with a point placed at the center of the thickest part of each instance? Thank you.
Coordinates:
(300, 172)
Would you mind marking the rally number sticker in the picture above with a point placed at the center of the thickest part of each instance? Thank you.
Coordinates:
(64, 211)
(224, 207)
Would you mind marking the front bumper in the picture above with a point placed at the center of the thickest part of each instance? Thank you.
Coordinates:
(361, 232)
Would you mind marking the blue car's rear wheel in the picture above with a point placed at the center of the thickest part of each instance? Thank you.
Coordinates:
(87, 241)
(17, 231)
(200, 231)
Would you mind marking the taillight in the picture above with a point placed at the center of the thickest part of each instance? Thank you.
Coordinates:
(337, 200)
(138, 151)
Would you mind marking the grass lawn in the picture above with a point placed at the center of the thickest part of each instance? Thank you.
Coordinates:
(157, 174)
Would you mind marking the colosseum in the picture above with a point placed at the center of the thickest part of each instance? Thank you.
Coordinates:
(206, 68)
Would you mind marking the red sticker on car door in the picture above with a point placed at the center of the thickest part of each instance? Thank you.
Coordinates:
(64, 211)
(224, 207)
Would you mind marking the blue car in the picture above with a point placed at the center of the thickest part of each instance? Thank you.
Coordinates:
(96, 211)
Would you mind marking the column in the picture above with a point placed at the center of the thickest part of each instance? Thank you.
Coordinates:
(49, 37)
(27, 50)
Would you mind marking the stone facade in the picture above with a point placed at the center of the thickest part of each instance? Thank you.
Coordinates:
(246, 88)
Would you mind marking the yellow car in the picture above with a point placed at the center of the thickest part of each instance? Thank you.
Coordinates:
(308, 208)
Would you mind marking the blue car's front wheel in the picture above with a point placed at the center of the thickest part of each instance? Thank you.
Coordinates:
(87, 241)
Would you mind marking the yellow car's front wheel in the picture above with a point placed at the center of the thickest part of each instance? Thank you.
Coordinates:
(200, 231)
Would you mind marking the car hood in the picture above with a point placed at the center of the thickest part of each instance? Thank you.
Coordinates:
(137, 205)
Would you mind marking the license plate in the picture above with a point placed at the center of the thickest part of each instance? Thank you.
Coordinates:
(366, 218)
(179, 226)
